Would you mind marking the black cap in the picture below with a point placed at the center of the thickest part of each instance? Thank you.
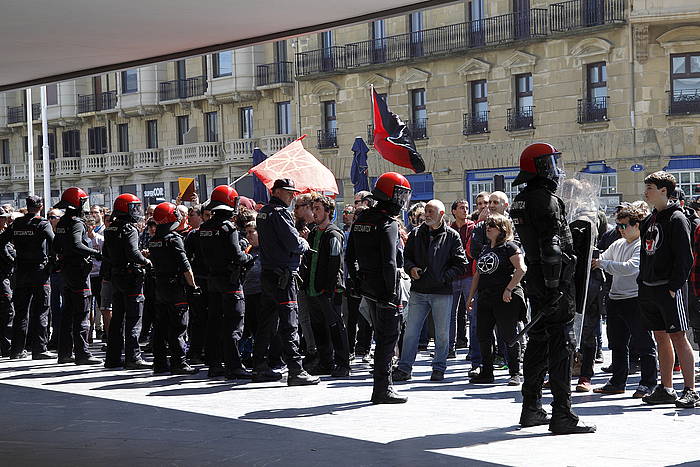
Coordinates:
(34, 202)
(285, 184)
(679, 194)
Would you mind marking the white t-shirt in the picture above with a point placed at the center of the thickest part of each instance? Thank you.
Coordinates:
(621, 260)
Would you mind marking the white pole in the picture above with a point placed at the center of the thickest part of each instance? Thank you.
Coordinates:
(45, 152)
(30, 142)
(233, 183)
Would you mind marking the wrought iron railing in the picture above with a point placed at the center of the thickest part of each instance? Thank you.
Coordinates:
(182, 88)
(579, 14)
(520, 118)
(274, 73)
(428, 42)
(370, 134)
(16, 114)
(476, 123)
(328, 138)
(686, 102)
(418, 128)
(593, 110)
(96, 102)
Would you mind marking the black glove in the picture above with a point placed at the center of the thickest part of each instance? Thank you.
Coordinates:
(195, 291)
(97, 256)
(551, 301)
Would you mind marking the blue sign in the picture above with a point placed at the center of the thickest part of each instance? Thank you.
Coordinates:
(637, 168)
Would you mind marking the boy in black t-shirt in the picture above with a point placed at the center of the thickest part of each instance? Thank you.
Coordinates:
(665, 261)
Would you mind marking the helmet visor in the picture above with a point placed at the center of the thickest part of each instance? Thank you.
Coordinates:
(86, 205)
(548, 167)
(136, 211)
(402, 196)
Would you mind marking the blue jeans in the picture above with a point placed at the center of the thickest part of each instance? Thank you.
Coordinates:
(460, 292)
(474, 349)
(420, 304)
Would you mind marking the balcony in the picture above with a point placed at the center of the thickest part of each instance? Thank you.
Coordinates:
(5, 172)
(20, 171)
(117, 162)
(16, 114)
(476, 123)
(273, 143)
(97, 102)
(443, 40)
(520, 119)
(328, 138)
(593, 110)
(581, 14)
(93, 164)
(418, 128)
(187, 155)
(274, 73)
(148, 159)
(69, 166)
(182, 88)
(686, 102)
(240, 150)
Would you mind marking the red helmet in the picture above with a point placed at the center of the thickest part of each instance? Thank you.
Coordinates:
(72, 198)
(538, 160)
(128, 205)
(393, 188)
(167, 213)
(223, 197)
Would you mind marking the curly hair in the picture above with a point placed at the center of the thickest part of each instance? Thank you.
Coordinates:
(634, 214)
(243, 217)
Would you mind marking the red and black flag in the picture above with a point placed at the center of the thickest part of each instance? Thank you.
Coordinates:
(392, 138)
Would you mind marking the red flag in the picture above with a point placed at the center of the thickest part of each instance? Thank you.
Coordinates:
(295, 162)
(392, 139)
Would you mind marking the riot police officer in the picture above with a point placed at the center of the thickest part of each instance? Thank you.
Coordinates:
(222, 254)
(539, 218)
(172, 271)
(7, 267)
(373, 259)
(281, 249)
(127, 270)
(75, 257)
(198, 302)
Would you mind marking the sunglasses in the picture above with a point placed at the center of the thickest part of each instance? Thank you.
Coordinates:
(54, 217)
(621, 226)
(492, 225)
(348, 212)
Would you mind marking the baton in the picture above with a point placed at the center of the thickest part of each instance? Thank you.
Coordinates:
(534, 320)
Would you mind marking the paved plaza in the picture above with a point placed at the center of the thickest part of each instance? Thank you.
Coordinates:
(64, 415)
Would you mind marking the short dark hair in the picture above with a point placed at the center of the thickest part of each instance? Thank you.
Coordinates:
(328, 203)
(458, 202)
(662, 180)
(151, 222)
(34, 202)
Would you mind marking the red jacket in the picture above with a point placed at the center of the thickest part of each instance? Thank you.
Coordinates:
(465, 233)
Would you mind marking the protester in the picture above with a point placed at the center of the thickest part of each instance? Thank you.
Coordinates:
(462, 284)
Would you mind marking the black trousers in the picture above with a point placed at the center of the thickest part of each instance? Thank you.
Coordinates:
(31, 303)
(198, 314)
(149, 306)
(224, 322)
(277, 305)
(170, 325)
(359, 329)
(493, 312)
(624, 329)
(591, 325)
(7, 314)
(127, 311)
(387, 323)
(75, 324)
(330, 333)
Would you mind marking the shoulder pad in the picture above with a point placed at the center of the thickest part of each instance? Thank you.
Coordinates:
(228, 226)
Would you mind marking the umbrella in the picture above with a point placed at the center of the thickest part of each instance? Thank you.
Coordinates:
(358, 171)
(260, 192)
(296, 163)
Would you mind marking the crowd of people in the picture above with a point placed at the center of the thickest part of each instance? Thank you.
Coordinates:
(302, 288)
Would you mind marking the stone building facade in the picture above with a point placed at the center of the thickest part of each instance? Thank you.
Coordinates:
(614, 84)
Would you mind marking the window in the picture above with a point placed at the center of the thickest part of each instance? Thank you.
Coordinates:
(329, 119)
(183, 126)
(246, 114)
(52, 94)
(595, 106)
(39, 151)
(597, 85)
(378, 42)
(151, 134)
(419, 114)
(476, 187)
(5, 148)
(685, 83)
(479, 96)
(521, 117)
(71, 143)
(211, 127)
(97, 140)
(327, 40)
(476, 22)
(123, 135)
(284, 118)
(415, 25)
(130, 81)
(689, 181)
(523, 94)
(608, 184)
(281, 51)
(222, 63)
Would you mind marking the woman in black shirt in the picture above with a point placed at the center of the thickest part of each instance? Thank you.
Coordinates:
(499, 269)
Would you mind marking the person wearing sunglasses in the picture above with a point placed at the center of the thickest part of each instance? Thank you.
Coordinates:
(624, 324)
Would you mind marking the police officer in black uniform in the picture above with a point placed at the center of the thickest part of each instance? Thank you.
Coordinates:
(75, 257)
(127, 270)
(281, 249)
(539, 218)
(373, 260)
(222, 254)
(172, 272)
(32, 238)
(7, 267)
(199, 306)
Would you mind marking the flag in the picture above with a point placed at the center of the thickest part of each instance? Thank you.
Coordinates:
(296, 163)
(260, 192)
(392, 139)
(358, 171)
(186, 188)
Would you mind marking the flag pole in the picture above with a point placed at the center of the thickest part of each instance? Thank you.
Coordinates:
(238, 179)
(30, 141)
(45, 152)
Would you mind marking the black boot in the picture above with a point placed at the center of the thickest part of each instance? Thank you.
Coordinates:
(533, 416)
(388, 397)
(568, 424)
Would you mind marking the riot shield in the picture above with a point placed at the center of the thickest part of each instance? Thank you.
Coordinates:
(581, 199)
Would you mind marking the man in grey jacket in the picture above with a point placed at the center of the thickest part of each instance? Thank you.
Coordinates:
(621, 260)
(433, 257)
